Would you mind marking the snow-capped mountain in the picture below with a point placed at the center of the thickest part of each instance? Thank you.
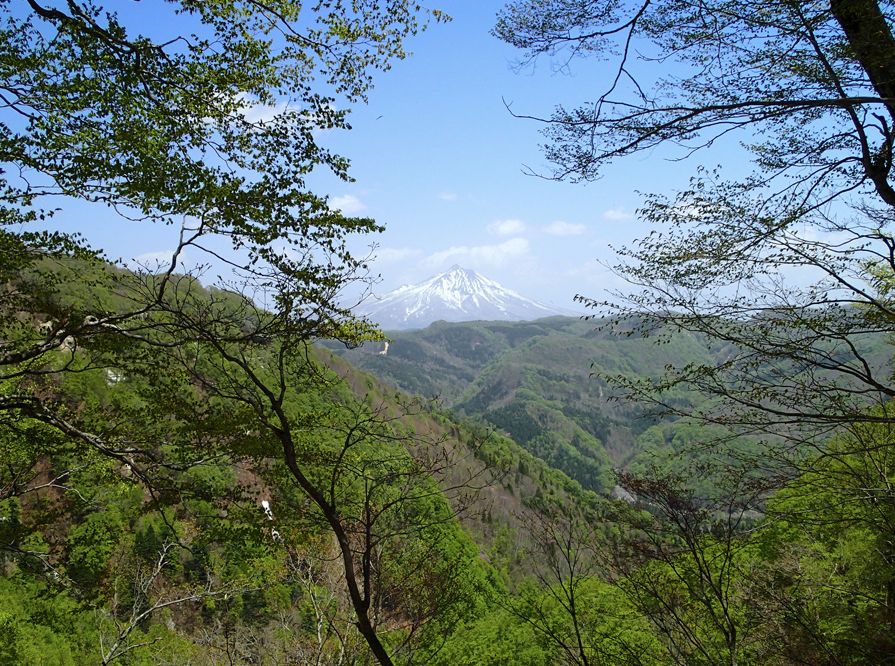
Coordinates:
(455, 295)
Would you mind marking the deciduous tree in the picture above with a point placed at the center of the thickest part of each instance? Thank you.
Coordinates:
(205, 116)
(785, 272)
(786, 264)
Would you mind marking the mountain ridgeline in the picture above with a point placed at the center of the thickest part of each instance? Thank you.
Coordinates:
(544, 383)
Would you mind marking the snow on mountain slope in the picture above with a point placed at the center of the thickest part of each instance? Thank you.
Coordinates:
(456, 295)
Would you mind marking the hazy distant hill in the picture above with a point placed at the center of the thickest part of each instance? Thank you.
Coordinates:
(538, 381)
(542, 383)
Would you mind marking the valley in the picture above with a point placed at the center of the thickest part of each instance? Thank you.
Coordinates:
(548, 385)
(383, 333)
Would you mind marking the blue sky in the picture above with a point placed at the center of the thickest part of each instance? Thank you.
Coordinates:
(439, 160)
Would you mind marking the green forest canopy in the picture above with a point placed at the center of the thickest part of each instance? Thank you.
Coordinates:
(144, 417)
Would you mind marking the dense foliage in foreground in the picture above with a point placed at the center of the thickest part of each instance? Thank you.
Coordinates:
(184, 481)
(161, 551)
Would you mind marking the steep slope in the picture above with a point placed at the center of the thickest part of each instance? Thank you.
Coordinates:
(539, 382)
(455, 295)
(506, 476)
(511, 481)
(216, 485)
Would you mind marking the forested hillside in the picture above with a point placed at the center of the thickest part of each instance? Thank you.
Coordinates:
(179, 531)
(541, 382)
(552, 386)
(699, 474)
(185, 537)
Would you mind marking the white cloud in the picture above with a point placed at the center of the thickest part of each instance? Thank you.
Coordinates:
(506, 227)
(257, 113)
(348, 204)
(159, 261)
(162, 256)
(388, 255)
(262, 113)
(617, 214)
(501, 254)
(560, 228)
(447, 196)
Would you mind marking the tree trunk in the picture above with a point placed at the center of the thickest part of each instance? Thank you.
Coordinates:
(873, 46)
(872, 43)
(359, 601)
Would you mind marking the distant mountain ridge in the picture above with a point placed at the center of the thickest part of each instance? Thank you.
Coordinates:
(458, 294)
(545, 384)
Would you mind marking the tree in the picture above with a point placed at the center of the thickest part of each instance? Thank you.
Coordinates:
(785, 273)
(830, 544)
(802, 74)
(579, 616)
(693, 584)
(212, 126)
(165, 130)
(370, 481)
(207, 121)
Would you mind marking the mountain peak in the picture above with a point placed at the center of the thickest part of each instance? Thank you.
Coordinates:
(457, 271)
(458, 294)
